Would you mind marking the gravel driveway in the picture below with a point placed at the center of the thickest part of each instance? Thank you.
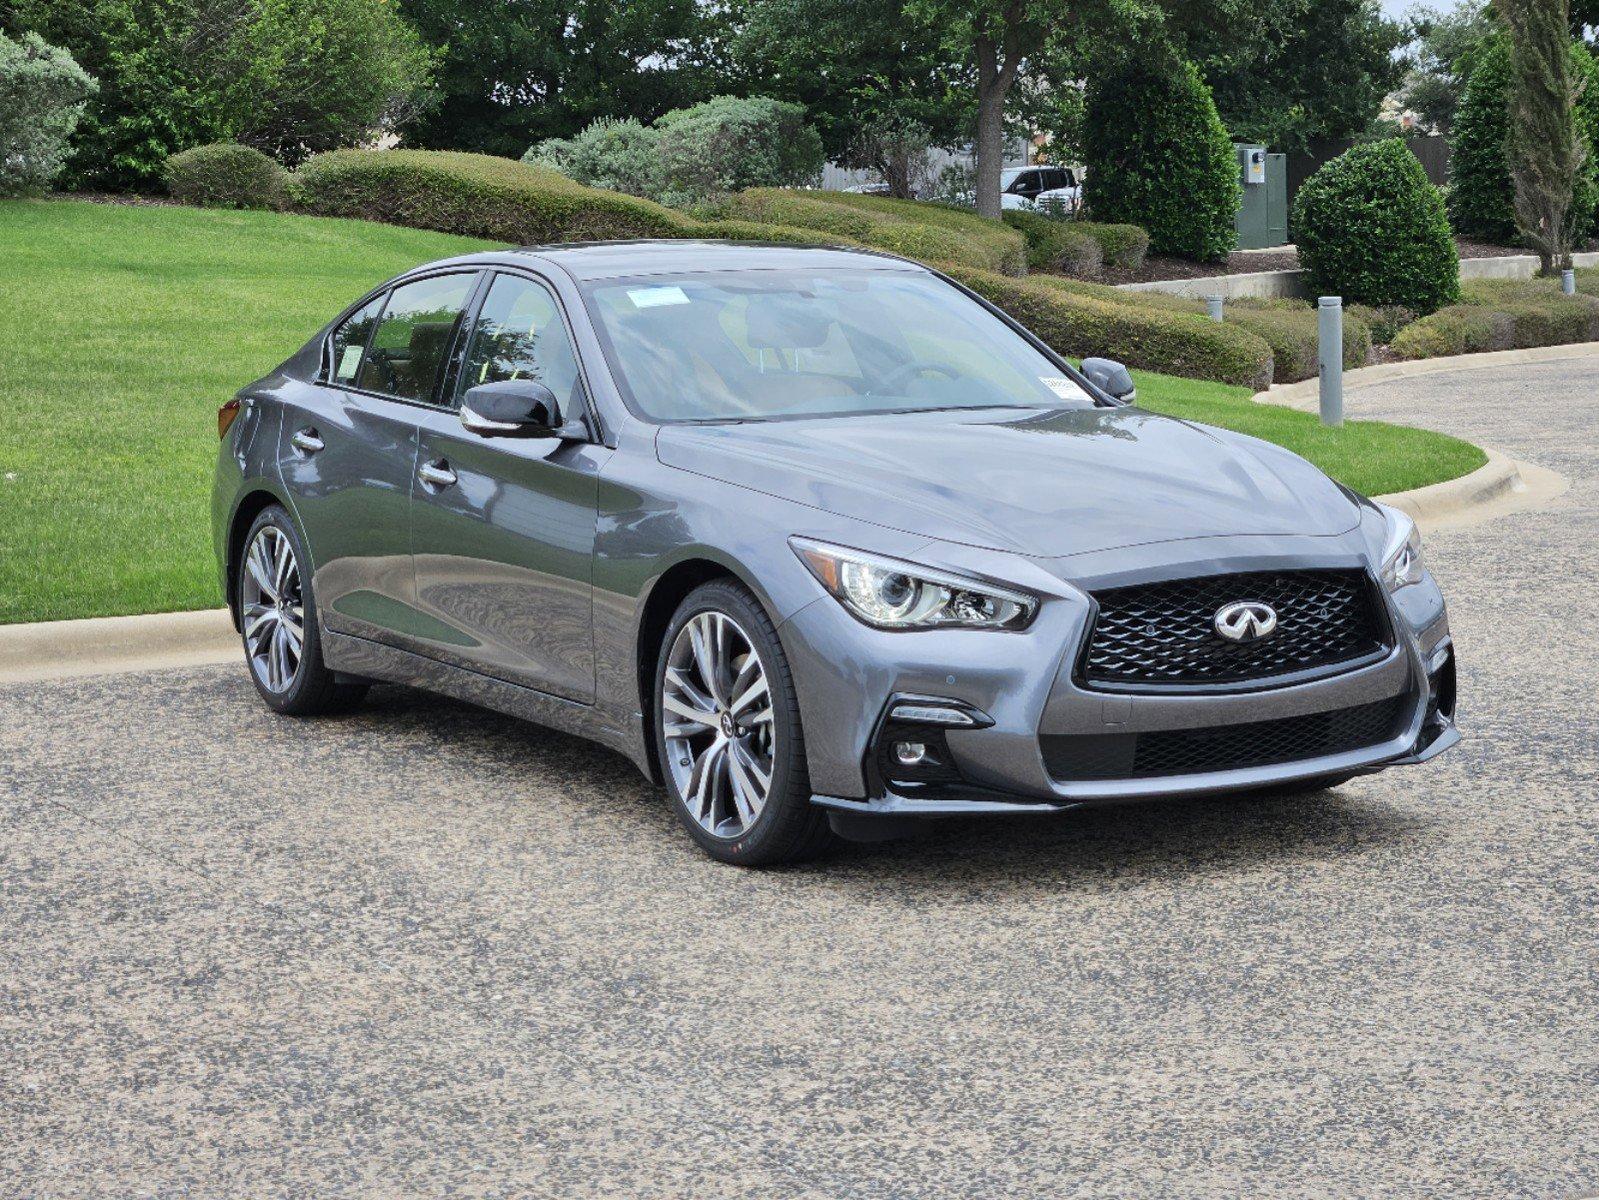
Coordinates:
(424, 950)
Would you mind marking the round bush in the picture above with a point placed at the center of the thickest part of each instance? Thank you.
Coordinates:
(1158, 157)
(730, 143)
(226, 175)
(1372, 229)
(1055, 245)
(621, 155)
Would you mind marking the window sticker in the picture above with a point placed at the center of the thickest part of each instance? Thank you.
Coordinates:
(653, 297)
(1063, 387)
(350, 361)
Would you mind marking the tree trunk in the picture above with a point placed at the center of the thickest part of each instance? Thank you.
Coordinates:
(991, 88)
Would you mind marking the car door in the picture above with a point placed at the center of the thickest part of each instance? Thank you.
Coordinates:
(348, 455)
(502, 527)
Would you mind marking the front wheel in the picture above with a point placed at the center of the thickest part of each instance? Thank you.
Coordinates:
(727, 731)
(278, 621)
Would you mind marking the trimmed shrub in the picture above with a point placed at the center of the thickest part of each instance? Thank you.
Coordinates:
(729, 144)
(620, 155)
(1482, 196)
(475, 195)
(226, 175)
(1506, 314)
(1291, 329)
(1159, 157)
(1120, 246)
(1057, 245)
(916, 230)
(42, 96)
(1385, 321)
(1372, 229)
(1076, 324)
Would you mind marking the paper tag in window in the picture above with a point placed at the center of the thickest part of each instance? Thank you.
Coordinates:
(350, 362)
(653, 297)
(1063, 387)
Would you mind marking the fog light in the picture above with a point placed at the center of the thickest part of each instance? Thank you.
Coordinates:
(910, 754)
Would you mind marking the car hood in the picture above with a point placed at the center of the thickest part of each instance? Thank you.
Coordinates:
(1048, 484)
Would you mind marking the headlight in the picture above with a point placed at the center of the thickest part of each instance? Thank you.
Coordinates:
(891, 594)
(1401, 555)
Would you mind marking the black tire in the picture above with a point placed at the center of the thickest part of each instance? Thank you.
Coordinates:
(789, 827)
(313, 689)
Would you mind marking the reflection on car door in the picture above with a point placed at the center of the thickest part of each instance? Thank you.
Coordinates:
(348, 454)
(502, 528)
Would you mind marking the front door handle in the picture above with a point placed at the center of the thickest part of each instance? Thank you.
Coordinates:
(307, 440)
(436, 474)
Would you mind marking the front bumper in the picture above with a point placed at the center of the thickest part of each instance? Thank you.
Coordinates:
(1019, 758)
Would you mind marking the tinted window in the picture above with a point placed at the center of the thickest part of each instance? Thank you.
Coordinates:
(413, 337)
(1055, 178)
(349, 342)
(518, 334)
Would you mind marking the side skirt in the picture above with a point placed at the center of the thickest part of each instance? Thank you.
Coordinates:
(367, 659)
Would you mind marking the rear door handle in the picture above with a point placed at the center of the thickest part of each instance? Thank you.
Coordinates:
(436, 474)
(307, 440)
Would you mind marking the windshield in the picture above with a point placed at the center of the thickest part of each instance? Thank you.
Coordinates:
(766, 345)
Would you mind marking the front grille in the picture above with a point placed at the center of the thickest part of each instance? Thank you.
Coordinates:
(1222, 747)
(1164, 634)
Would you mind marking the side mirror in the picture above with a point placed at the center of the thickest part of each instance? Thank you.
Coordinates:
(1110, 377)
(513, 408)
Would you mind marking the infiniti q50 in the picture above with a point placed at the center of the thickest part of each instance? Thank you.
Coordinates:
(819, 539)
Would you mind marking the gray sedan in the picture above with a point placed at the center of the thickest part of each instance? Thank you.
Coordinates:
(820, 540)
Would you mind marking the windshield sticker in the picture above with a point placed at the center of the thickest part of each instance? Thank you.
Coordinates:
(1063, 387)
(350, 361)
(653, 297)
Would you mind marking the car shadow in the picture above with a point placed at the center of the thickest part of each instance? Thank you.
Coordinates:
(1163, 839)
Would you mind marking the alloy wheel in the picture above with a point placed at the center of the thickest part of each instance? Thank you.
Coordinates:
(716, 709)
(272, 610)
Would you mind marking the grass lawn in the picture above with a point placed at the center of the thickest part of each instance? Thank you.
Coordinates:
(1372, 457)
(127, 326)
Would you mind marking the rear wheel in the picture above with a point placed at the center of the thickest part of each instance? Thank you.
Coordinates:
(278, 621)
(727, 731)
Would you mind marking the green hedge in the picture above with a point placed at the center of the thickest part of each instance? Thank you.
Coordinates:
(1121, 246)
(226, 175)
(1057, 245)
(1078, 323)
(922, 231)
(1506, 314)
(1289, 327)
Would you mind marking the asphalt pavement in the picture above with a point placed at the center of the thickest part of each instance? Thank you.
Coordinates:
(424, 950)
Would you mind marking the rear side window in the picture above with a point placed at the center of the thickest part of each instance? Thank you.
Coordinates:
(349, 342)
(413, 337)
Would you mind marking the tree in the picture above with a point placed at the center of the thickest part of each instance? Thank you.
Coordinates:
(853, 65)
(1547, 150)
(1158, 157)
(1445, 51)
(514, 72)
(1298, 70)
(897, 148)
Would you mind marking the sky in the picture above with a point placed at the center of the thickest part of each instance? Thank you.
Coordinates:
(1396, 8)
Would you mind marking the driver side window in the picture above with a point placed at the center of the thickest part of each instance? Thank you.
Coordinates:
(519, 334)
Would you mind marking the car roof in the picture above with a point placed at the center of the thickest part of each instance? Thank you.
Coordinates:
(585, 261)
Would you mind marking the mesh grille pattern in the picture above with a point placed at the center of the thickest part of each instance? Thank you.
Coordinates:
(1223, 747)
(1165, 633)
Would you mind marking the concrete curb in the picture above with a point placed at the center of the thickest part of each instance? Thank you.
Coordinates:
(110, 645)
(1501, 485)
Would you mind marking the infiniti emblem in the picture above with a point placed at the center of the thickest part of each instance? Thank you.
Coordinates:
(1246, 621)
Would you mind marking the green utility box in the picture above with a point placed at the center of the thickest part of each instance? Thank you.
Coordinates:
(1263, 215)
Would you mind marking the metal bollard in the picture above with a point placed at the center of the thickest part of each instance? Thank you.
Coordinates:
(1568, 282)
(1213, 307)
(1330, 358)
